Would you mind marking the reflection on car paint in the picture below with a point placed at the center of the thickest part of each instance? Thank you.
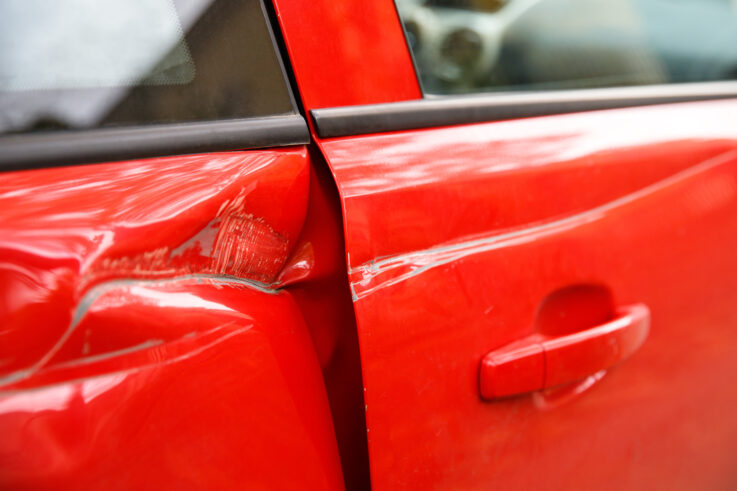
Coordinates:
(174, 380)
(457, 235)
(65, 230)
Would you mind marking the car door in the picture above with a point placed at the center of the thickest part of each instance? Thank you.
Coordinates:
(147, 337)
(544, 280)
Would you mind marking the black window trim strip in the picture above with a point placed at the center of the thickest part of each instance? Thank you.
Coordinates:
(53, 149)
(433, 111)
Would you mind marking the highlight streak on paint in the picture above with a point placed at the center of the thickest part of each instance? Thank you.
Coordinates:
(96, 292)
(385, 272)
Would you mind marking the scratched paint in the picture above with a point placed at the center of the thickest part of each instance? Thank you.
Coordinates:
(238, 245)
(385, 272)
(65, 230)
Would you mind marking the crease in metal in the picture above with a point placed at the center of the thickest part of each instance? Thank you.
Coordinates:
(95, 292)
(419, 262)
(142, 368)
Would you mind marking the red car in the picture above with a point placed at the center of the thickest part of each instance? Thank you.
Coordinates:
(240, 248)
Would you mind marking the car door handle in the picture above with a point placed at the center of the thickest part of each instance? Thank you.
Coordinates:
(538, 361)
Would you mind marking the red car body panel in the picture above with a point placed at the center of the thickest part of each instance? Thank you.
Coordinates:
(125, 281)
(316, 279)
(457, 236)
(224, 366)
(187, 321)
(65, 230)
(347, 53)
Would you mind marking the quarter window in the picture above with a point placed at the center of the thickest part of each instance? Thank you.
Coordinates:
(77, 64)
(463, 46)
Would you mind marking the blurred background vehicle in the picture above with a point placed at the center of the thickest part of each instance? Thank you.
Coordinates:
(471, 45)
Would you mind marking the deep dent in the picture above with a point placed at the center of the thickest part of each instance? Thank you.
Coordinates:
(96, 292)
(234, 243)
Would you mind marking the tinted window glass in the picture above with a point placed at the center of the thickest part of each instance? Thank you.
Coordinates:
(94, 63)
(484, 45)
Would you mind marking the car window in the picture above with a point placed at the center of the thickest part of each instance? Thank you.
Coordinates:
(463, 46)
(76, 64)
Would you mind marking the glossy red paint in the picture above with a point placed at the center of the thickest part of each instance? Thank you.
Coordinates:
(224, 391)
(158, 311)
(496, 177)
(540, 362)
(347, 53)
(65, 230)
(514, 369)
(578, 355)
(142, 320)
(457, 236)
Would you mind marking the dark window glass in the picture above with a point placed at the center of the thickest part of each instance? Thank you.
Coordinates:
(68, 64)
(464, 46)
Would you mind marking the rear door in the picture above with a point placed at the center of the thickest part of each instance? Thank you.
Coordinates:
(544, 277)
(154, 184)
